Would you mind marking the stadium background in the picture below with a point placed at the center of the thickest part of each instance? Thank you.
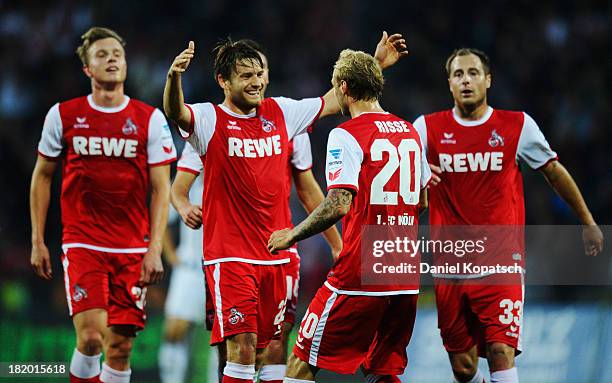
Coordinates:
(550, 59)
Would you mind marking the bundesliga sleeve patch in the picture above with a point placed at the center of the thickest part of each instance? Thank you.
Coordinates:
(167, 143)
(334, 163)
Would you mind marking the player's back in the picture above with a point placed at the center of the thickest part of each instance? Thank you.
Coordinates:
(379, 157)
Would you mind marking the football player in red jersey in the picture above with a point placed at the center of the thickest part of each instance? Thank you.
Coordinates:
(376, 171)
(244, 141)
(310, 195)
(114, 150)
(474, 151)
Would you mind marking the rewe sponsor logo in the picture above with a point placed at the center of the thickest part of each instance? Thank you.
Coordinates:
(104, 146)
(254, 147)
(471, 162)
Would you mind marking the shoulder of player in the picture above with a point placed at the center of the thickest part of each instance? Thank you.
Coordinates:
(73, 103)
(510, 117)
(137, 104)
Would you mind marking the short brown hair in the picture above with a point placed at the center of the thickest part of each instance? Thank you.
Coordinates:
(91, 36)
(229, 53)
(484, 59)
(361, 73)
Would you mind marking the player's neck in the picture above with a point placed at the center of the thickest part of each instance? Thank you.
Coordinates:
(237, 109)
(107, 96)
(472, 112)
(361, 107)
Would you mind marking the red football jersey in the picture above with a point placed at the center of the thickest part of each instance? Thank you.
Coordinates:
(378, 156)
(106, 154)
(245, 161)
(481, 192)
(482, 183)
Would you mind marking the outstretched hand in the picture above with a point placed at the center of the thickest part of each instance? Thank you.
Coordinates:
(390, 49)
(280, 240)
(182, 61)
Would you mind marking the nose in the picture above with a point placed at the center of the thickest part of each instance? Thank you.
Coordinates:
(258, 82)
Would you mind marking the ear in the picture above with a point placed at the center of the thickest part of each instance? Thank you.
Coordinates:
(221, 81)
(449, 85)
(87, 71)
(344, 87)
(488, 80)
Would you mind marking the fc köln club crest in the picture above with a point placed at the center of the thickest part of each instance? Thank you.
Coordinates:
(496, 140)
(267, 125)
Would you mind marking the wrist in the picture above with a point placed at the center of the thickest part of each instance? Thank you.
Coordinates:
(155, 247)
(588, 220)
(38, 242)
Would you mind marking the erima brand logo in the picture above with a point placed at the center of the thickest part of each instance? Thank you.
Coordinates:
(471, 162)
(448, 139)
(110, 147)
(392, 126)
(267, 125)
(496, 140)
(235, 316)
(232, 125)
(81, 123)
(129, 127)
(254, 147)
(79, 293)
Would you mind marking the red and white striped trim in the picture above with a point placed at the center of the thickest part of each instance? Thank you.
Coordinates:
(131, 250)
(65, 264)
(318, 334)
(247, 260)
(370, 293)
(218, 301)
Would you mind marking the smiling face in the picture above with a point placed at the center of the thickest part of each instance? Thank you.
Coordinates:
(106, 63)
(468, 81)
(246, 85)
(266, 74)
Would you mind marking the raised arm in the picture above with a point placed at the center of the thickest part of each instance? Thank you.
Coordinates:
(40, 192)
(562, 182)
(310, 195)
(174, 102)
(388, 51)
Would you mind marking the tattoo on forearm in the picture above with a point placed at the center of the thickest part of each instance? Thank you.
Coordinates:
(333, 207)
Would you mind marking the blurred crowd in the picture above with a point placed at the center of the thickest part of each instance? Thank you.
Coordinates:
(549, 58)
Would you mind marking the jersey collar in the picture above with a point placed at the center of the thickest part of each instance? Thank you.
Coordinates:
(234, 114)
(480, 121)
(104, 109)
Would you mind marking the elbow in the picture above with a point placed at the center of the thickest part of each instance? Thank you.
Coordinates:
(423, 204)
